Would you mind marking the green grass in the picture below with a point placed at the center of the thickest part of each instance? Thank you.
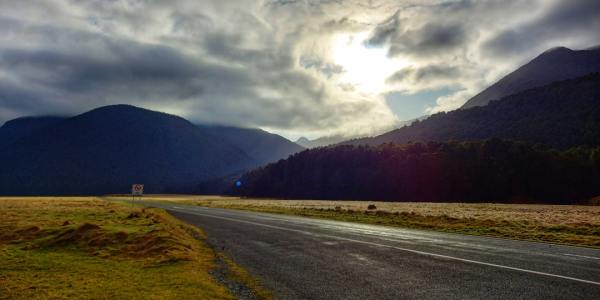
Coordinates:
(67, 274)
(69, 248)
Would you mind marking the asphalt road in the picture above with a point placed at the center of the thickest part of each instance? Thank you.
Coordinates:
(302, 258)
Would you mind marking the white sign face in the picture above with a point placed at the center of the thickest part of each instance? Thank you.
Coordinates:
(137, 189)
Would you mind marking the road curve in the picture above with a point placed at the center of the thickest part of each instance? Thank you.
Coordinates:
(304, 258)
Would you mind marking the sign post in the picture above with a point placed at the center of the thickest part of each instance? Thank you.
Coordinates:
(137, 190)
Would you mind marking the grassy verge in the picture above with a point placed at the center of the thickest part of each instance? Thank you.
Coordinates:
(564, 224)
(90, 248)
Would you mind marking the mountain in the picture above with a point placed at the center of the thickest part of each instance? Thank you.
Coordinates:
(320, 142)
(556, 64)
(263, 147)
(562, 114)
(107, 149)
(304, 142)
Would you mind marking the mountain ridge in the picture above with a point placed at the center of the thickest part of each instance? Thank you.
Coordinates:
(555, 64)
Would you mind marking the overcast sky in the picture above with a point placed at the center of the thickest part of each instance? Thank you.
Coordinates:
(297, 68)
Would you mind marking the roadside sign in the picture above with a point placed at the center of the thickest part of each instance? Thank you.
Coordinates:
(137, 189)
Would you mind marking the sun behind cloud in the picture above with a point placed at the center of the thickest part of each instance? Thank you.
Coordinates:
(365, 67)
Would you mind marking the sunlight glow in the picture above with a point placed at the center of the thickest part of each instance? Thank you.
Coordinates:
(365, 68)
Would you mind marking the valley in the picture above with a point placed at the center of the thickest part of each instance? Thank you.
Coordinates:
(286, 149)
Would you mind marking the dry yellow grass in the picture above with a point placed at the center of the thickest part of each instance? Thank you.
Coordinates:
(87, 247)
(569, 224)
(543, 214)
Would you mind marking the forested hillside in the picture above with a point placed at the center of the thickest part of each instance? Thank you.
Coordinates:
(482, 171)
(563, 114)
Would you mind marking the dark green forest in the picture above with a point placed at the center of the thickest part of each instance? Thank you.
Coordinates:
(493, 170)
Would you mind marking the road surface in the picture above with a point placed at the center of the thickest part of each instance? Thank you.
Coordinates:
(303, 258)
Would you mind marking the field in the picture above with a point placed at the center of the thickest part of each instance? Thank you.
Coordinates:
(72, 247)
(565, 224)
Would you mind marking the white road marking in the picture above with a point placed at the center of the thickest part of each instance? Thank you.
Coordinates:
(400, 248)
(582, 256)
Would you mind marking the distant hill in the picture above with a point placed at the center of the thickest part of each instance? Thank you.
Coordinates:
(107, 149)
(556, 64)
(562, 114)
(263, 147)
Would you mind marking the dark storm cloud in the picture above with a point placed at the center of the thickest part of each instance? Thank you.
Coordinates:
(442, 28)
(81, 71)
(566, 20)
(225, 47)
(427, 73)
(123, 68)
(429, 39)
(19, 98)
(436, 35)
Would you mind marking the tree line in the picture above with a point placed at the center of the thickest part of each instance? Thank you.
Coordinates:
(492, 170)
